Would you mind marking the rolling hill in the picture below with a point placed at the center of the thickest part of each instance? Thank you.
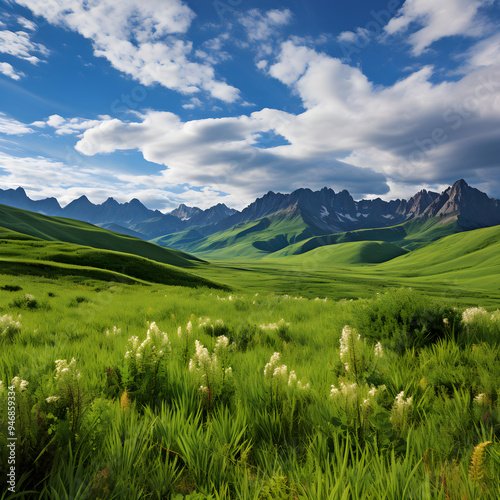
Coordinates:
(83, 233)
(21, 254)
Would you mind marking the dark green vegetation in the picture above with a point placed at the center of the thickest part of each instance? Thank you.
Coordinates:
(409, 409)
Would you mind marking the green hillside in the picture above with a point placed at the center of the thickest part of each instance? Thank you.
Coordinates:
(345, 254)
(247, 240)
(82, 233)
(409, 236)
(287, 234)
(22, 254)
(471, 257)
(464, 267)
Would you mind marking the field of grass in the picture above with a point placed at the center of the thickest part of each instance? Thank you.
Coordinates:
(354, 370)
(176, 393)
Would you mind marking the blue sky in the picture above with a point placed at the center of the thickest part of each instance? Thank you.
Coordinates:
(208, 101)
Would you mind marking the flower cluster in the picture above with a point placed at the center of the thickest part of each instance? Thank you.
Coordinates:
(151, 350)
(351, 351)
(19, 384)
(280, 372)
(287, 297)
(469, 315)
(349, 391)
(482, 400)
(9, 327)
(115, 331)
(270, 367)
(52, 399)
(275, 326)
(379, 350)
(212, 328)
(324, 300)
(189, 329)
(212, 370)
(401, 412)
(66, 372)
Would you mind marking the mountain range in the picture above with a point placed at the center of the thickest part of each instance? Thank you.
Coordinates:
(319, 213)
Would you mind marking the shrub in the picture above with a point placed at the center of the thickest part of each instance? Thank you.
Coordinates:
(405, 319)
(26, 302)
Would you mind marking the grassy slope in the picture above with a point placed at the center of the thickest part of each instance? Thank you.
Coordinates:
(281, 236)
(409, 236)
(353, 253)
(82, 233)
(22, 254)
(248, 240)
(465, 266)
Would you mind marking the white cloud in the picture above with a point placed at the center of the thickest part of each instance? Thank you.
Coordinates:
(437, 20)
(8, 70)
(141, 39)
(26, 23)
(193, 103)
(361, 35)
(485, 53)
(44, 177)
(71, 126)
(352, 134)
(19, 44)
(261, 26)
(9, 126)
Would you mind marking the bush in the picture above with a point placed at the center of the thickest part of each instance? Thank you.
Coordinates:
(26, 302)
(404, 319)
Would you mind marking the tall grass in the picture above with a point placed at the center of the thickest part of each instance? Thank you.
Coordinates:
(395, 397)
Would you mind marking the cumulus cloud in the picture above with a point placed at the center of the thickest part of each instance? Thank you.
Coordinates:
(10, 126)
(141, 39)
(413, 130)
(355, 37)
(437, 20)
(352, 134)
(46, 177)
(8, 70)
(222, 154)
(71, 126)
(261, 25)
(19, 44)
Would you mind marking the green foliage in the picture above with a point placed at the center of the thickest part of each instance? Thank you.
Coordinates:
(404, 320)
(109, 426)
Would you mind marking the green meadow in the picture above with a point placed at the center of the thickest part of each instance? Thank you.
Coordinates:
(359, 369)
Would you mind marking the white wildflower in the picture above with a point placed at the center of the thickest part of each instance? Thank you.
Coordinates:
(303, 386)
(470, 314)
(2, 387)
(189, 327)
(280, 372)
(9, 327)
(229, 371)
(179, 332)
(379, 351)
(334, 392)
(292, 379)
(19, 383)
(269, 368)
(52, 399)
(482, 399)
